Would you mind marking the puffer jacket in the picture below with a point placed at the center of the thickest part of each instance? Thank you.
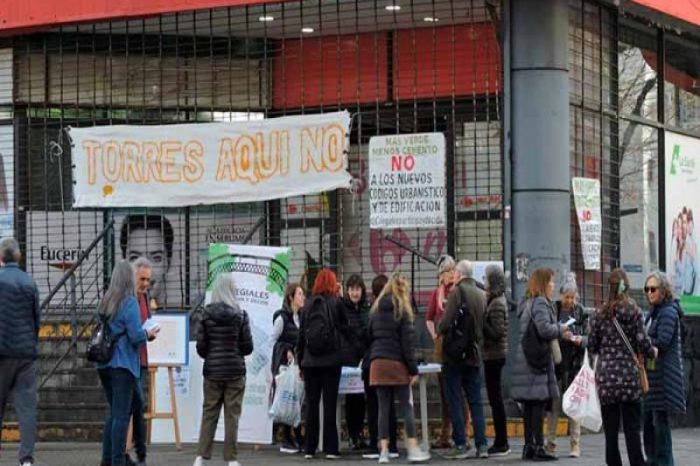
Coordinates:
(526, 383)
(390, 338)
(616, 374)
(20, 314)
(666, 391)
(354, 344)
(223, 340)
(495, 344)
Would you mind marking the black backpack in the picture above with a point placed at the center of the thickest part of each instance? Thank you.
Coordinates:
(537, 351)
(100, 348)
(460, 342)
(320, 330)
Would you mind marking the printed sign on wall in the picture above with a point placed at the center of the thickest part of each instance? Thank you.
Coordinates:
(587, 200)
(407, 181)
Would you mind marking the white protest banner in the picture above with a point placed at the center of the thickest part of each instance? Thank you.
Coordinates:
(209, 163)
(587, 200)
(260, 274)
(407, 181)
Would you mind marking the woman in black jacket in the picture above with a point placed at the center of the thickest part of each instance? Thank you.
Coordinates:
(354, 348)
(393, 366)
(321, 325)
(285, 333)
(223, 341)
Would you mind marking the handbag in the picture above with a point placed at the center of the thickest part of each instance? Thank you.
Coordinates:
(643, 379)
(556, 351)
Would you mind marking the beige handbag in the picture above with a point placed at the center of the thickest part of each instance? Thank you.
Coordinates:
(556, 351)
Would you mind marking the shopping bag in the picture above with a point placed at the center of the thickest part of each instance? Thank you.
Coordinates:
(286, 404)
(581, 402)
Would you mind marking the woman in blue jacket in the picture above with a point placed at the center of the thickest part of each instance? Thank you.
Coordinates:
(666, 394)
(120, 376)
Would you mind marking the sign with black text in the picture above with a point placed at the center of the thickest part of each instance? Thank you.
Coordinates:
(407, 181)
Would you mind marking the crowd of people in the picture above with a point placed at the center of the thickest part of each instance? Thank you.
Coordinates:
(340, 326)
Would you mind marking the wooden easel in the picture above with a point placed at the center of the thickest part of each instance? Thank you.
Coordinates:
(151, 411)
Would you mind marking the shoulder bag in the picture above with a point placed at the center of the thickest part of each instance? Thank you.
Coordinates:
(643, 380)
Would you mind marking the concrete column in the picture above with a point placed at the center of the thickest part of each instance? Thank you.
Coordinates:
(540, 139)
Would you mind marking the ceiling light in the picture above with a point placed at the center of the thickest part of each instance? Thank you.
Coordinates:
(266, 18)
(430, 19)
(392, 7)
(307, 30)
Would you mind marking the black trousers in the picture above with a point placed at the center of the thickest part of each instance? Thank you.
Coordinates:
(321, 381)
(631, 415)
(355, 414)
(373, 416)
(533, 420)
(492, 372)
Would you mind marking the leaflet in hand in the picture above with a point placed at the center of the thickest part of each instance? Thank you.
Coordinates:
(151, 325)
(570, 322)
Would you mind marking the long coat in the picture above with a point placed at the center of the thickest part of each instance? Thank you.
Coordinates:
(527, 384)
(666, 391)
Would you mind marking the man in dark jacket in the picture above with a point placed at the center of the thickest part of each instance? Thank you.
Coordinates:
(19, 335)
(464, 372)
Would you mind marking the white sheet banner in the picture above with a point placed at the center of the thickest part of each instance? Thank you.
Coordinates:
(209, 163)
(407, 181)
(260, 274)
(587, 200)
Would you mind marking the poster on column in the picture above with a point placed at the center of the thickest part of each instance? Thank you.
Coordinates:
(407, 181)
(682, 199)
(587, 201)
(260, 274)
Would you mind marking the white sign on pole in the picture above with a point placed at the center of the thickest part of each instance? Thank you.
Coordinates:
(587, 200)
(407, 181)
(210, 163)
(171, 346)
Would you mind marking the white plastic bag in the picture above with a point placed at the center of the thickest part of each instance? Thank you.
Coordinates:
(581, 401)
(289, 392)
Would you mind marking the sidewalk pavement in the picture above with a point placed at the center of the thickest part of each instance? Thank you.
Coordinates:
(686, 443)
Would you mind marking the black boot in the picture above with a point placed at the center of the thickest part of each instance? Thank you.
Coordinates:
(528, 452)
(542, 455)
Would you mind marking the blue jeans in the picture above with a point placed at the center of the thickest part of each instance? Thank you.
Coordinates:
(469, 379)
(657, 438)
(138, 420)
(18, 376)
(120, 386)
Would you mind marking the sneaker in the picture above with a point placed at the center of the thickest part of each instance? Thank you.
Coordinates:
(575, 451)
(456, 453)
(332, 456)
(393, 454)
(27, 462)
(308, 456)
(289, 448)
(499, 451)
(128, 461)
(528, 452)
(551, 448)
(372, 455)
(384, 457)
(417, 455)
(233, 463)
(482, 452)
(542, 455)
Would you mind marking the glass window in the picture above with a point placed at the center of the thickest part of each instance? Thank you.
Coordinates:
(637, 70)
(682, 83)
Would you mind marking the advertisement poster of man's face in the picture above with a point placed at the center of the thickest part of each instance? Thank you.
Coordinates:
(151, 236)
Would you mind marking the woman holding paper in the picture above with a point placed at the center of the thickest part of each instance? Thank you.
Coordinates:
(120, 376)
(223, 341)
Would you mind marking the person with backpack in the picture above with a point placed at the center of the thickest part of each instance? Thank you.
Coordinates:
(666, 392)
(378, 284)
(354, 347)
(318, 352)
(285, 332)
(617, 375)
(224, 340)
(393, 368)
(119, 375)
(462, 330)
(533, 380)
(495, 348)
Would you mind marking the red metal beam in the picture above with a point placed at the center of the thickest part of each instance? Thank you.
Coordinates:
(687, 10)
(21, 16)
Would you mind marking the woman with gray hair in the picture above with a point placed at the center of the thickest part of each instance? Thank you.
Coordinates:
(572, 352)
(223, 341)
(495, 348)
(120, 376)
(666, 393)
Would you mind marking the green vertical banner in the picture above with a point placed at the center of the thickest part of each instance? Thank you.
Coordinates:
(682, 202)
(260, 274)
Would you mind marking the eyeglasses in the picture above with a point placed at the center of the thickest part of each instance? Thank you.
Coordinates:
(650, 289)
